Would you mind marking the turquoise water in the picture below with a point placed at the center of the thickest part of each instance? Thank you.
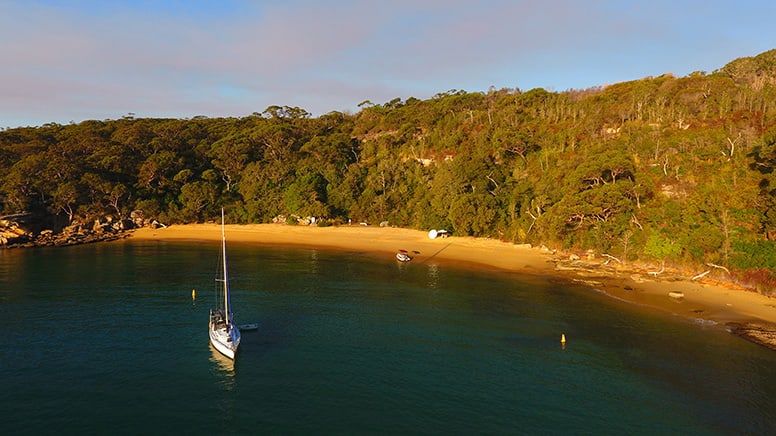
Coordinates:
(105, 338)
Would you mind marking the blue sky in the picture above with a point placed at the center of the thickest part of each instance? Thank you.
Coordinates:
(63, 61)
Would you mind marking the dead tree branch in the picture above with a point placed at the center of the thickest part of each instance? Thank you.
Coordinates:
(718, 266)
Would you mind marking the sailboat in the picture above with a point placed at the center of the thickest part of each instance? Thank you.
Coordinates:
(224, 336)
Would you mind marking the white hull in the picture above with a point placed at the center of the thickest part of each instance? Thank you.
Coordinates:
(227, 343)
(402, 257)
(226, 351)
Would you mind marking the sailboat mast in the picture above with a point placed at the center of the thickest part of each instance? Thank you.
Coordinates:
(227, 303)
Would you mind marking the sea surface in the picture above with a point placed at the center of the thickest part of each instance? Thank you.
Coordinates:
(106, 339)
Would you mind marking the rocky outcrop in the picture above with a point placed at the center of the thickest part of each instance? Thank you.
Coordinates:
(15, 229)
(759, 333)
(27, 230)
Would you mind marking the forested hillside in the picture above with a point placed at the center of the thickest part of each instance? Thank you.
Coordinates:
(664, 169)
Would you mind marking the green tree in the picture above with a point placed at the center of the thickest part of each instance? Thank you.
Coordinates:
(660, 247)
(195, 198)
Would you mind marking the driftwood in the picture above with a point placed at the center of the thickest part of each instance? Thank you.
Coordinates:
(662, 268)
(610, 258)
(718, 266)
(701, 275)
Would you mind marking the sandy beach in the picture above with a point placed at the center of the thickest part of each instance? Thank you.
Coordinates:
(747, 313)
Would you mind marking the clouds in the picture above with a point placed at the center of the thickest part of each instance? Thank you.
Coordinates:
(80, 60)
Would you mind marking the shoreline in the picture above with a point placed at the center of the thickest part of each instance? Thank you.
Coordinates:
(745, 313)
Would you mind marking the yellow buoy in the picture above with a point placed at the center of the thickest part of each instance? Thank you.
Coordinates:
(562, 338)
(193, 294)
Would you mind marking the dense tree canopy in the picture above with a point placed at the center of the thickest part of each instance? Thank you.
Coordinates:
(660, 169)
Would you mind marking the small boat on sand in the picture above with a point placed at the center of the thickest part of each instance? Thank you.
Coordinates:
(403, 256)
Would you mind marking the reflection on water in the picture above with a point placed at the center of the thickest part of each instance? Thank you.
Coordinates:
(223, 366)
(313, 262)
(433, 276)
